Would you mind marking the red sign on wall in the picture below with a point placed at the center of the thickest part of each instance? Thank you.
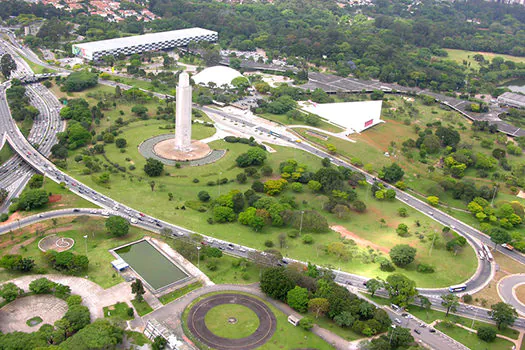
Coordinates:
(369, 122)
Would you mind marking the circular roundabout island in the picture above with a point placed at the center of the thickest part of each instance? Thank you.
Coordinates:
(231, 321)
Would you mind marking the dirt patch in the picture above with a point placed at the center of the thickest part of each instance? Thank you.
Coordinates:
(520, 293)
(358, 240)
(521, 194)
(55, 198)
(53, 242)
(16, 247)
(12, 218)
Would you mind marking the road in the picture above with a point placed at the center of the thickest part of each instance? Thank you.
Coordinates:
(38, 161)
(506, 289)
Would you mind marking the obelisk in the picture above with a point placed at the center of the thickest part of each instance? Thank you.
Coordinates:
(183, 114)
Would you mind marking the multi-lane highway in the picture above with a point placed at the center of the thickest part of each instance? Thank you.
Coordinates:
(37, 159)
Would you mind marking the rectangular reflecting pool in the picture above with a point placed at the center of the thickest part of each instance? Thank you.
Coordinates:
(157, 270)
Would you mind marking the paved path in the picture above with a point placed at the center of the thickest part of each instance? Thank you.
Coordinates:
(14, 315)
(93, 296)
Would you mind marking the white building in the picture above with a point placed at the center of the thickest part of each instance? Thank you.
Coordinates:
(352, 116)
(142, 43)
(219, 75)
(512, 99)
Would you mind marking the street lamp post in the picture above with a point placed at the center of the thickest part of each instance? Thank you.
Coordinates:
(85, 241)
(198, 257)
(301, 224)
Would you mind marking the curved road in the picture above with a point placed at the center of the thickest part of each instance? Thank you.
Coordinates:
(506, 290)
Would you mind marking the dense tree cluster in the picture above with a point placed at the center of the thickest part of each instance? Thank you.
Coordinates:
(19, 102)
(78, 81)
(315, 290)
(67, 262)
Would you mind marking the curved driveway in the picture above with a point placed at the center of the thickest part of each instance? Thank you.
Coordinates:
(506, 290)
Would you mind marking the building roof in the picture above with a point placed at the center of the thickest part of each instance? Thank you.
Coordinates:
(119, 264)
(219, 75)
(353, 116)
(513, 97)
(117, 43)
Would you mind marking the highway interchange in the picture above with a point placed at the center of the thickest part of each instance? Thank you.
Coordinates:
(37, 160)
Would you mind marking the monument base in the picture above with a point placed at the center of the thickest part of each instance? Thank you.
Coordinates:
(166, 149)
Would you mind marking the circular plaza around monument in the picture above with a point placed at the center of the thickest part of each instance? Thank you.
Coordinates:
(231, 321)
(54, 242)
(154, 146)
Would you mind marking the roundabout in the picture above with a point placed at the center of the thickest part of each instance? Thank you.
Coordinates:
(231, 321)
(511, 291)
(54, 242)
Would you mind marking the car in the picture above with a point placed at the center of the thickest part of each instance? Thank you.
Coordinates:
(231, 246)
(422, 325)
(158, 224)
(397, 320)
(73, 184)
(142, 214)
(204, 243)
(417, 331)
(40, 215)
(432, 330)
(76, 210)
(133, 220)
(430, 213)
(93, 211)
(404, 314)
(507, 246)
(221, 247)
(243, 250)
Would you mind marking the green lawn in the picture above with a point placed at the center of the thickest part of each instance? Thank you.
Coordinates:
(328, 324)
(472, 341)
(462, 55)
(283, 119)
(168, 298)
(137, 338)
(5, 153)
(142, 308)
(119, 311)
(286, 336)
(219, 321)
(36, 68)
(146, 85)
(98, 243)
(227, 273)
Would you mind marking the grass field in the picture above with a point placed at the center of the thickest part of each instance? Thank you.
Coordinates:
(217, 321)
(462, 55)
(119, 311)
(5, 153)
(328, 324)
(168, 298)
(98, 243)
(472, 341)
(286, 336)
(227, 273)
(36, 68)
(142, 307)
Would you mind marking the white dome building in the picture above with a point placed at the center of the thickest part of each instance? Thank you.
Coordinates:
(219, 75)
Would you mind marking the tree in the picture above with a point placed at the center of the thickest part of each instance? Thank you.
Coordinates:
(401, 289)
(152, 185)
(203, 196)
(276, 283)
(254, 156)
(503, 314)
(403, 212)
(32, 199)
(402, 230)
(400, 337)
(486, 333)
(344, 319)
(140, 111)
(36, 181)
(223, 214)
(101, 334)
(153, 167)
(297, 298)
(425, 303)
(159, 343)
(78, 81)
(10, 291)
(499, 236)
(78, 317)
(393, 173)
(314, 186)
(7, 65)
(450, 301)
(319, 306)
(373, 285)
(433, 201)
(41, 286)
(402, 254)
(306, 323)
(117, 226)
(121, 143)
(137, 288)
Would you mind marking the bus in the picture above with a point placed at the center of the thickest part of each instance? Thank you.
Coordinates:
(457, 288)
(273, 133)
(488, 253)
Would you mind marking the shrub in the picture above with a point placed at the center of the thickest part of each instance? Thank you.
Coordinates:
(486, 333)
(306, 323)
(4, 217)
(425, 268)
(467, 298)
(268, 243)
(308, 239)
(74, 300)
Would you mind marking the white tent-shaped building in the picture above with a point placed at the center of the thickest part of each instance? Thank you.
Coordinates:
(352, 116)
(219, 75)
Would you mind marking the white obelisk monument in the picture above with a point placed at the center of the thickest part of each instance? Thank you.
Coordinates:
(183, 114)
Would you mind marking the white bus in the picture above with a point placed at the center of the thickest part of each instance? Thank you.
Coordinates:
(457, 288)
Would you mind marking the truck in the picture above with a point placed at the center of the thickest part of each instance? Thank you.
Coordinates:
(507, 246)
